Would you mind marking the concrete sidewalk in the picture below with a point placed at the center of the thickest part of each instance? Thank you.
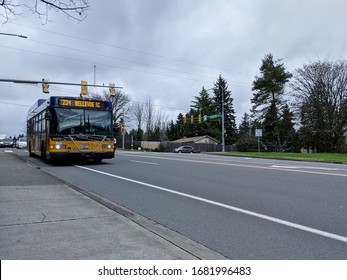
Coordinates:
(42, 218)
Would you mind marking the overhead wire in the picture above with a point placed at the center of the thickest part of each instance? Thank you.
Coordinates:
(132, 50)
(104, 64)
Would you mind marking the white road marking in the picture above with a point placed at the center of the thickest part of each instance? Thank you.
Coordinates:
(233, 208)
(144, 162)
(200, 161)
(8, 151)
(304, 167)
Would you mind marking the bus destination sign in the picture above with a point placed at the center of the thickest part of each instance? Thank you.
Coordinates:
(79, 103)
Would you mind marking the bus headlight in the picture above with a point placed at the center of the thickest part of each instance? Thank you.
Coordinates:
(60, 146)
(107, 146)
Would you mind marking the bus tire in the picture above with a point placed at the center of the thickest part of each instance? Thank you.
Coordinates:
(43, 154)
(97, 160)
(31, 154)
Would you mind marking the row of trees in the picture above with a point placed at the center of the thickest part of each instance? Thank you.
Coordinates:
(304, 109)
(315, 104)
(204, 105)
(311, 113)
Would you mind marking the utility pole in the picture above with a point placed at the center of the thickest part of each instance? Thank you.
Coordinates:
(223, 132)
(94, 76)
(222, 113)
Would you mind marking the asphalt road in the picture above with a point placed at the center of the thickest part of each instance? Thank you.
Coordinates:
(242, 208)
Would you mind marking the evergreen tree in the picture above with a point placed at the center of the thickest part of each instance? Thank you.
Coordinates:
(202, 105)
(221, 89)
(175, 131)
(171, 131)
(271, 128)
(268, 97)
(287, 131)
(245, 127)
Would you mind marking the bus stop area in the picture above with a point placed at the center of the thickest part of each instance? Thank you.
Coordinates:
(43, 218)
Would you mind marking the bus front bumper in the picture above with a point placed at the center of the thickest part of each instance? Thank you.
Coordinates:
(77, 156)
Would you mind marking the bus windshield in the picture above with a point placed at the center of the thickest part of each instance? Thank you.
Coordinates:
(68, 121)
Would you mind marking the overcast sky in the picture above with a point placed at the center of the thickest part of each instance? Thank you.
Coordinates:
(167, 50)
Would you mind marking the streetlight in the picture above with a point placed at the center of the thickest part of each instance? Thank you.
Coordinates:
(223, 138)
(16, 35)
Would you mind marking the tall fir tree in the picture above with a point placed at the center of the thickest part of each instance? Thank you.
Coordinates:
(203, 105)
(287, 130)
(269, 97)
(245, 128)
(221, 89)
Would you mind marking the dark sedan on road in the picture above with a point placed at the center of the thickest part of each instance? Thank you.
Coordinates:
(7, 142)
(184, 149)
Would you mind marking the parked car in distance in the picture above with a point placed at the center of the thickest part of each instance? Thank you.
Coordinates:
(184, 149)
(7, 142)
(21, 143)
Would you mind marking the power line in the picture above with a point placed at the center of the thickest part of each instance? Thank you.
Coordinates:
(117, 58)
(133, 50)
(16, 104)
(119, 67)
(103, 64)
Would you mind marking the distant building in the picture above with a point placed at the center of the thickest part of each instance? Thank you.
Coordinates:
(197, 140)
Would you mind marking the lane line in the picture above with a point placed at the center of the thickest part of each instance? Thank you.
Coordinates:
(233, 208)
(305, 167)
(144, 162)
(240, 165)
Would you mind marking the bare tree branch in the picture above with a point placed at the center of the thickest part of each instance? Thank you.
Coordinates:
(75, 9)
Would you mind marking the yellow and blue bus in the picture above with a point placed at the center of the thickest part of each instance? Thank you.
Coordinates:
(70, 128)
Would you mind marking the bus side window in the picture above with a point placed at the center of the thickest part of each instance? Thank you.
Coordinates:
(36, 124)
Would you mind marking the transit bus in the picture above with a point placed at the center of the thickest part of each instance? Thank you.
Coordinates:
(70, 128)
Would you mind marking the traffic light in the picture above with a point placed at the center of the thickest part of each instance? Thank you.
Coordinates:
(199, 118)
(84, 88)
(185, 119)
(45, 86)
(121, 125)
(192, 119)
(112, 89)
